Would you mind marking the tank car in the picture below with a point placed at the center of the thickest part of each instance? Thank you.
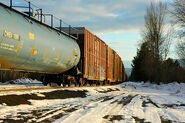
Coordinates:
(28, 45)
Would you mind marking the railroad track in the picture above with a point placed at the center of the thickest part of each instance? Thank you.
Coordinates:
(46, 87)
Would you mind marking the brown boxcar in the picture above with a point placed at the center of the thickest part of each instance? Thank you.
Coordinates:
(93, 55)
(98, 61)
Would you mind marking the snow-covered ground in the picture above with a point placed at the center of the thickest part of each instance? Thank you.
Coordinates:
(23, 83)
(128, 102)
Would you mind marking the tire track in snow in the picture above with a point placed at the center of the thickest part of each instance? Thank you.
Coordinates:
(92, 106)
(59, 112)
(113, 114)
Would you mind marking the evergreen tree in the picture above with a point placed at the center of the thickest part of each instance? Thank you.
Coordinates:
(140, 64)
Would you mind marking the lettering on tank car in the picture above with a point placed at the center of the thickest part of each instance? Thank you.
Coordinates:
(32, 36)
(34, 52)
(11, 35)
(7, 46)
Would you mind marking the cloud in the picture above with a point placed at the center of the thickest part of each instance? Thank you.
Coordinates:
(100, 16)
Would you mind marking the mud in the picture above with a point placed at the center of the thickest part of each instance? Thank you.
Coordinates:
(23, 117)
(149, 101)
(115, 101)
(102, 99)
(144, 103)
(13, 100)
(137, 120)
(13, 121)
(120, 103)
(34, 115)
(172, 105)
(166, 121)
(113, 117)
(126, 100)
(107, 98)
(53, 118)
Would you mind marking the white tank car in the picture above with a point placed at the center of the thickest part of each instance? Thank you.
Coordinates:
(27, 45)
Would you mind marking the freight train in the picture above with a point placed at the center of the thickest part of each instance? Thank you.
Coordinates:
(29, 47)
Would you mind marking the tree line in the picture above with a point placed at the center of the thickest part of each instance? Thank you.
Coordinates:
(151, 62)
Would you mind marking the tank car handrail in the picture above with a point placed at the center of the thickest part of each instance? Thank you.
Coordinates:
(41, 15)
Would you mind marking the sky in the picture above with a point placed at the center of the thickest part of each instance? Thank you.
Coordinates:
(117, 22)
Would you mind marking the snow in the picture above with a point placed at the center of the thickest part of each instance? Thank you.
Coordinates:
(126, 102)
(19, 84)
(24, 81)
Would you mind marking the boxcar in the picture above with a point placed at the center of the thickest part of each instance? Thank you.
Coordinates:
(99, 62)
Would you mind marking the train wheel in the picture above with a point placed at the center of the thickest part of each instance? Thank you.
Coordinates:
(44, 83)
(69, 83)
(75, 84)
(108, 82)
(97, 83)
(79, 82)
(85, 83)
(105, 82)
(102, 83)
(59, 83)
(64, 85)
(90, 83)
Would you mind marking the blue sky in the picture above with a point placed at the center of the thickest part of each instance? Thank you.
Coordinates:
(117, 22)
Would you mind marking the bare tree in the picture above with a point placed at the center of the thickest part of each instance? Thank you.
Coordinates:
(179, 14)
(167, 42)
(181, 51)
(154, 30)
(157, 42)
